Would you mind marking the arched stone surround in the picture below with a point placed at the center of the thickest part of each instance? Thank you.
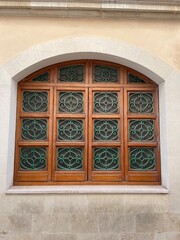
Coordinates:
(66, 49)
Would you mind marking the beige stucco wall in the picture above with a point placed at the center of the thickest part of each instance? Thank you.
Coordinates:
(92, 216)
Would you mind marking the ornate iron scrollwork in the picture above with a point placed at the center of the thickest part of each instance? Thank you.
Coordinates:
(141, 130)
(71, 102)
(34, 129)
(141, 102)
(70, 129)
(142, 158)
(106, 159)
(72, 74)
(34, 101)
(70, 158)
(106, 130)
(33, 158)
(106, 102)
(105, 74)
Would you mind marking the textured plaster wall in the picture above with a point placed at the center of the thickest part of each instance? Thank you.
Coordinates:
(92, 216)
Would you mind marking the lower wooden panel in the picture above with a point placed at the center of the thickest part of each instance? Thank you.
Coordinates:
(32, 176)
(106, 177)
(143, 177)
(69, 176)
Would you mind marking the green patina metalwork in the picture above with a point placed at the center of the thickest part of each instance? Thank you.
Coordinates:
(106, 130)
(42, 78)
(134, 79)
(106, 159)
(142, 158)
(105, 74)
(33, 158)
(106, 102)
(71, 102)
(34, 129)
(34, 101)
(69, 158)
(70, 129)
(141, 130)
(141, 102)
(72, 73)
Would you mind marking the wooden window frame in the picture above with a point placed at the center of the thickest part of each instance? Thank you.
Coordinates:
(87, 176)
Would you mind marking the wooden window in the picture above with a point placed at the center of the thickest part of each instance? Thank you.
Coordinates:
(87, 122)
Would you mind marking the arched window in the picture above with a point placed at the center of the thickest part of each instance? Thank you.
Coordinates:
(87, 122)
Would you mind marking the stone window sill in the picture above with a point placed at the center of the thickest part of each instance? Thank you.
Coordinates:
(86, 189)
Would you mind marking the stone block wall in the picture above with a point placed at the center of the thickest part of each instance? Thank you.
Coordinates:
(85, 217)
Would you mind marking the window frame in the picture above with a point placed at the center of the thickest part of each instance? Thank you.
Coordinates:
(51, 177)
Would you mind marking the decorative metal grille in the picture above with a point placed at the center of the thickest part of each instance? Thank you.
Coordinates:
(72, 74)
(69, 130)
(141, 130)
(134, 79)
(105, 74)
(141, 102)
(34, 129)
(71, 102)
(106, 102)
(34, 101)
(106, 130)
(142, 159)
(69, 158)
(33, 158)
(42, 78)
(106, 159)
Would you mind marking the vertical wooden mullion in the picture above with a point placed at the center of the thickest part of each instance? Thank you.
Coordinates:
(126, 152)
(86, 125)
(54, 130)
(90, 159)
(50, 132)
(122, 129)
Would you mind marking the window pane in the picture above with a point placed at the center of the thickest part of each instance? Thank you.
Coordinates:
(34, 129)
(141, 102)
(71, 102)
(33, 158)
(142, 158)
(69, 159)
(70, 129)
(106, 130)
(106, 158)
(141, 130)
(34, 101)
(72, 74)
(134, 79)
(106, 102)
(105, 74)
(42, 78)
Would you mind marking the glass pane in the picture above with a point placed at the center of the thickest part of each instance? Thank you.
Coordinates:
(42, 78)
(34, 129)
(72, 74)
(69, 158)
(106, 102)
(106, 159)
(35, 101)
(106, 130)
(105, 74)
(142, 158)
(141, 130)
(33, 158)
(134, 79)
(141, 102)
(69, 130)
(71, 102)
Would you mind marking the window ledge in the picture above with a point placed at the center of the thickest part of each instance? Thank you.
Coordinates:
(85, 189)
